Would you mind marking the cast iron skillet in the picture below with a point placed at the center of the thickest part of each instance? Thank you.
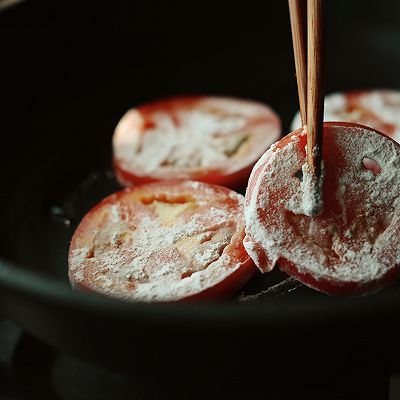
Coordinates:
(64, 96)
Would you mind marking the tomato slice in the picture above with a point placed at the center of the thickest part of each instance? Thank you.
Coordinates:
(379, 109)
(167, 241)
(353, 247)
(211, 139)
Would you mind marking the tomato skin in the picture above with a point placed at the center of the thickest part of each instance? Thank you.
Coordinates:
(230, 281)
(233, 174)
(332, 287)
(323, 280)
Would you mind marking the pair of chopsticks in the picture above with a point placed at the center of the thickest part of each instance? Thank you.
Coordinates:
(309, 73)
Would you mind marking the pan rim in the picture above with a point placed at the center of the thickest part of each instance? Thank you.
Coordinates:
(17, 281)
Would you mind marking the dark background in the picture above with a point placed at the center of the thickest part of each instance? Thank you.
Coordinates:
(69, 70)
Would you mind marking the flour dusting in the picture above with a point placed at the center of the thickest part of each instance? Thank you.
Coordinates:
(356, 242)
(379, 109)
(212, 134)
(138, 252)
(309, 200)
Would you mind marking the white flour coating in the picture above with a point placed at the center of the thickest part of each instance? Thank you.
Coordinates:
(312, 202)
(158, 259)
(314, 245)
(383, 104)
(214, 134)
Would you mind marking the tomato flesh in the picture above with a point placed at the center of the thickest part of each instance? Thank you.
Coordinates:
(353, 246)
(211, 139)
(169, 241)
(378, 109)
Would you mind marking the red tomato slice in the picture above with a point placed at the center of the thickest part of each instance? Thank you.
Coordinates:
(167, 241)
(211, 139)
(379, 109)
(353, 247)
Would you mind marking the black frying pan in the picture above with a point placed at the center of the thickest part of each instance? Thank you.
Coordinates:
(63, 95)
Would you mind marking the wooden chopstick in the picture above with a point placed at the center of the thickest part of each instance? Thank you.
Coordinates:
(311, 94)
(315, 93)
(297, 23)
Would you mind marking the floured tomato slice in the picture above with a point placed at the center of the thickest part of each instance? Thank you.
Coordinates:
(211, 139)
(167, 241)
(353, 247)
(379, 109)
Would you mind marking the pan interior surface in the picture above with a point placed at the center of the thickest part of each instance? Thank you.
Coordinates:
(64, 94)
(59, 163)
